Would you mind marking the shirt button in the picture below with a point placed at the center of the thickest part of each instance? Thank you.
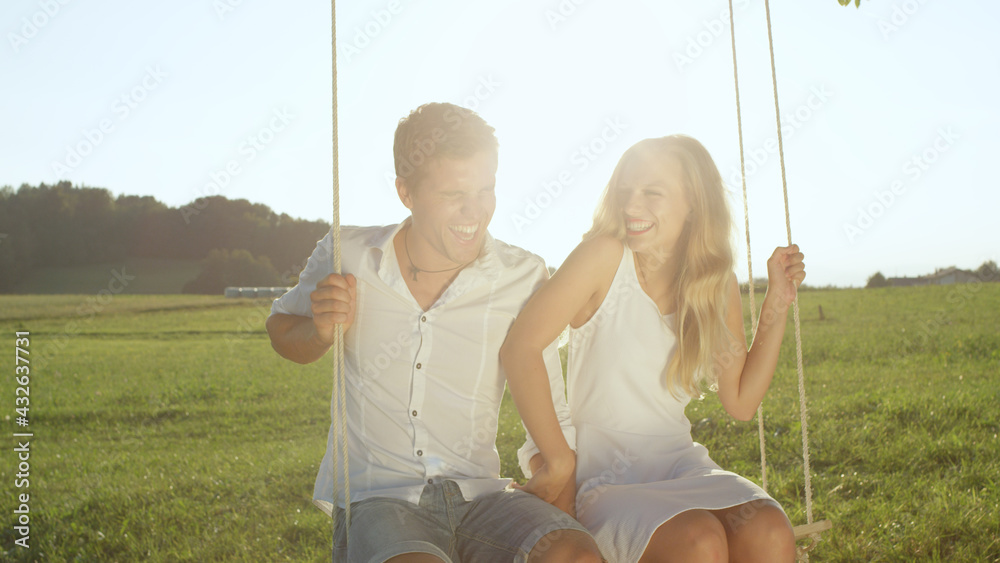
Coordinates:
(414, 413)
(430, 481)
(423, 319)
(418, 366)
(420, 452)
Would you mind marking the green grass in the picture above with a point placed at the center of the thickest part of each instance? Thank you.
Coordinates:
(166, 429)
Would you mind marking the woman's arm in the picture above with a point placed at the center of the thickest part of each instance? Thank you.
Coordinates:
(566, 501)
(744, 376)
(566, 298)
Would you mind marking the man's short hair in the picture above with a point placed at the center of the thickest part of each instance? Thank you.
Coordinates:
(438, 130)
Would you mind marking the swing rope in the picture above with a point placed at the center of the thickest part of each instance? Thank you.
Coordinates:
(795, 303)
(810, 529)
(746, 223)
(339, 410)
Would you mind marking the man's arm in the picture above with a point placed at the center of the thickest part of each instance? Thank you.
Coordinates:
(306, 339)
(295, 338)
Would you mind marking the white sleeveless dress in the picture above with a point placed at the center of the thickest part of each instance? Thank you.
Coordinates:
(637, 465)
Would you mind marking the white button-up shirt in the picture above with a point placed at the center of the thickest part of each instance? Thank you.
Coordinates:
(424, 387)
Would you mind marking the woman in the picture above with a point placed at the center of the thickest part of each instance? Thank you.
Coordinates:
(655, 314)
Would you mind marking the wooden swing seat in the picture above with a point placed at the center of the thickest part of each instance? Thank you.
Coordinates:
(806, 530)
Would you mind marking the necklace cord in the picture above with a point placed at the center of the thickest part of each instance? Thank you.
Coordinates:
(414, 269)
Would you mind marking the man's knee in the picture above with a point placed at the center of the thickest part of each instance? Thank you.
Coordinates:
(565, 546)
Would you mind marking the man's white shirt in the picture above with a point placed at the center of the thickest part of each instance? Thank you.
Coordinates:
(424, 387)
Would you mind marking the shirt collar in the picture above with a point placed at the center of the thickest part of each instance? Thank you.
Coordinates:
(485, 269)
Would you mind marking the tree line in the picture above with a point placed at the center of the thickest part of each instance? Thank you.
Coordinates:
(986, 272)
(61, 225)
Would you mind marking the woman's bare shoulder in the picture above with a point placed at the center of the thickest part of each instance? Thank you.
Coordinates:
(596, 254)
(592, 265)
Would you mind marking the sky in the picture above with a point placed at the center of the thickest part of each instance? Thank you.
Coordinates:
(888, 112)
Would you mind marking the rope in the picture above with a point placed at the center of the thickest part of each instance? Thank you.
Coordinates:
(339, 413)
(746, 222)
(795, 303)
(801, 553)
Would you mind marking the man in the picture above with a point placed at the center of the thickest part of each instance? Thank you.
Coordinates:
(425, 307)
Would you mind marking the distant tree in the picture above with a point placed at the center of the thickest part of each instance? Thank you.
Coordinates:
(988, 272)
(223, 268)
(877, 280)
(857, 3)
(288, 241)
(65, 225)
(20, 251)
(759, 286)
(218, 222)
(143, 224)
(92, 222)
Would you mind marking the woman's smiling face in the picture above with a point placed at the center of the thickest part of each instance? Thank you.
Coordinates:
(651, 195)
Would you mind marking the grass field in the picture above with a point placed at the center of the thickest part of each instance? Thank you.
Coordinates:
(166, 429)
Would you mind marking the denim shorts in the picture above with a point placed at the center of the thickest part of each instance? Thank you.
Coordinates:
(500, 527)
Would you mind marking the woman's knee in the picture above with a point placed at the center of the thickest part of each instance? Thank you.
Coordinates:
(695, 535)
(772, 522)
(565, 546)
(777, 533)
(414, 558)
(708, 539)
(761, 533)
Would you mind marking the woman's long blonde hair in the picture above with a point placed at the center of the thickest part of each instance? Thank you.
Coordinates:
(705, 256)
